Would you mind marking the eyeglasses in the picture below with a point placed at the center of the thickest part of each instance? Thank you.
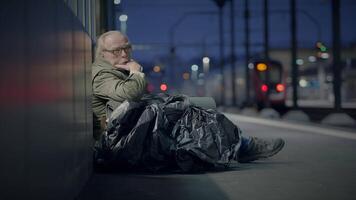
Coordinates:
(118, 51)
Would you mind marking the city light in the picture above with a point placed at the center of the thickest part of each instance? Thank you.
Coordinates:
(264, 88)
(186, 76)
(206, 64)
(280, 87)
(303, 83)
(123, 25)
(321, 46)
(206, 60)
(261, 67)
(195, 68)
(157, 69)
(163, 87)
(300, 61)
(312, 58)
(123, 18)
(324, 55)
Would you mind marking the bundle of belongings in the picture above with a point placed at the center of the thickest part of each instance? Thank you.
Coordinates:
(163, 132)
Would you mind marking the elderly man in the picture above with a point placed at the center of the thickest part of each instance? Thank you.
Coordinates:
(115, 76)
(156, 132)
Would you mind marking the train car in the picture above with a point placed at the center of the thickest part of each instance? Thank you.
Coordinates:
(268, 83)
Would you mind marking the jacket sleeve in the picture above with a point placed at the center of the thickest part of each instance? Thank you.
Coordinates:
(110, 86)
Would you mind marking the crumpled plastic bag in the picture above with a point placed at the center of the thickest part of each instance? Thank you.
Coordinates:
(163, 132)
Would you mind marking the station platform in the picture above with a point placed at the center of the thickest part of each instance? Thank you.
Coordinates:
(316, 163)
(321, 104)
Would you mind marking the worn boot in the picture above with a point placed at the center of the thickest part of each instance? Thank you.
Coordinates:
(260, 148)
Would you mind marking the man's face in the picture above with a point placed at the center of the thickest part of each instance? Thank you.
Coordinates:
(117, 49)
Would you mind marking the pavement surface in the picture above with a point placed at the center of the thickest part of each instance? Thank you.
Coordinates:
(316, 163)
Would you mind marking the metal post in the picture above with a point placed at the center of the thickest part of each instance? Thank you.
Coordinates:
(103, 19)
(266, 36)
(293, 27)
(266, 43)
(110, 15)
(335, 9)
(222, 63)
(247, 51)
(233, 73)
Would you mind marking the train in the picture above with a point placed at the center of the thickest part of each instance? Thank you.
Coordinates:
(268, 82)
(267, 86)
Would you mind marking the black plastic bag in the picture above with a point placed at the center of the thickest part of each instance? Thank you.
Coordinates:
(164, 132)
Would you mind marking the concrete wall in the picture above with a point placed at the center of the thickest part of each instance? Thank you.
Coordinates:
(45, 89)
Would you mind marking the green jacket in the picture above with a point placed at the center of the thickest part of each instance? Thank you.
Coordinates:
(112, 84)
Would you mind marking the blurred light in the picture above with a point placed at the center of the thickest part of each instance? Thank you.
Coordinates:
(195, 67)
(157, 69)
(312, 58)
(201, 75)
(300, 61)
(324, 55)
(206, 60)
(261, 67)
(163, 87)
(303, 83)
(329, 78)
(206, 64)
(116, 2)
(123, 18)
(250, 66)
(321, 46)
(150, 87)
(264, 88)
(280, 87)
(186, 76)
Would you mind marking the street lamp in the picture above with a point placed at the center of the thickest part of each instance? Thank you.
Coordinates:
(194, 73)
(123, 26)
(220, 4)
(206, 64)
(172, 31)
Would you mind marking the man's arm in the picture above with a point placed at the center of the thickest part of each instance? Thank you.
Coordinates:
(110, 86)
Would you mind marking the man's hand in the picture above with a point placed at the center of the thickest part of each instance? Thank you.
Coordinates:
(131, 66)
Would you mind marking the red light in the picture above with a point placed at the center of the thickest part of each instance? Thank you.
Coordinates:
(163, 87)
(264, 88)
(280, 87)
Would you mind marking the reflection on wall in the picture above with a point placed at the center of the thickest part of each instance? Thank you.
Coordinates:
(45, 94)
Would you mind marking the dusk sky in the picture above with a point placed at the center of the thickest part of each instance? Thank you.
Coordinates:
(149, 23)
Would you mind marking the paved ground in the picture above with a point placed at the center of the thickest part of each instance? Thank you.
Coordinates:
(315, 164)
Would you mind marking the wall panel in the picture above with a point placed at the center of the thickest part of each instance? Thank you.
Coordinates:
(45, 90)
